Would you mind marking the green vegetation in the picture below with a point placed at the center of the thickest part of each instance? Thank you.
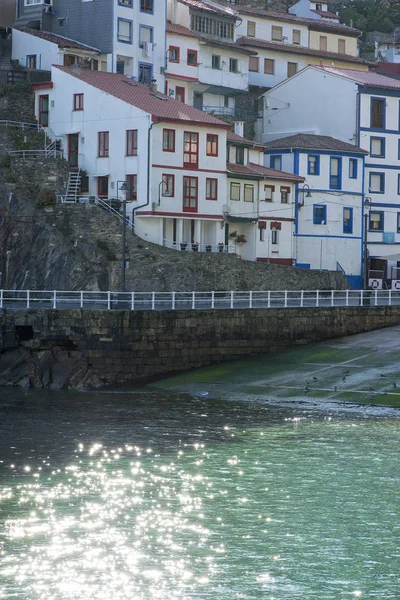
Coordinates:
(46, 197)
(369, 15)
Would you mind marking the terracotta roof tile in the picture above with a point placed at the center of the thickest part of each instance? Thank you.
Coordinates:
(62, 42)
(367, 78)
(158, 105)
(261, 172)
(238, 139)
(176, 29)
(326, 13)
(283, 47)
(309, 141)
(209, 8)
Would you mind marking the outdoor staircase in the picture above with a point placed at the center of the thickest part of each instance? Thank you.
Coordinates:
(74, 182)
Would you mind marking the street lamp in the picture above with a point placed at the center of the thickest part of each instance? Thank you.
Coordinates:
(367, 208)
(166, 192)
(123, 188)
(305, 188)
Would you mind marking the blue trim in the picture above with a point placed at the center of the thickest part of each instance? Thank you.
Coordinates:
(398, 222)
(147, 12)
(303, 265)
(398, 184)
(319, 220)
(296, 160)
(383, 140)
(378, 130)
(355, 281)
(385, 204)
(28, 56)
(362, 266)
(382, 188)
(348, 228)
(358, 117)
(151, 36)
(330, 191)
(126, 5)
(130, 31)
(382, 91)
(340, 237)
(382, 101)
(316, 164)
(271, 161)
(143, 64)
(353, 168)
(377, 212)
(314, 151)
(335, 181)
(398, 149)
(379, 166)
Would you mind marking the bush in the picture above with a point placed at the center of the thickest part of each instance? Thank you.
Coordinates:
(5, 161)
(46, 197)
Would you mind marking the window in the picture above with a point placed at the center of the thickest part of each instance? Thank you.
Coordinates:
(261, 229)
(212, 26)
(145, 73)
(275, 237)
(277, 34)
(285, 191)
(335, 179)
(233, 65)
(239, 155)
(192, 58)
(313, 164)
(190, 150)
(44, 110)
(248, 193)
(398, 230)
(31, 61)
(269, 193)
(251, 28)
(276, 161)
(211, 189)
(342, 46)
(78, 101)
(145, 35)
(180, 94)
(323, 42)
(168, 140)
(269, 66)
(190, 194)
(378, 106)
(296, 37)
(353, 168)
(377, 147)
(319, 214)
(146, 6)
(124, 32)
(216, 62)
(347, 220)
(377, 183)
(253, 64)
(226, 101)
(398, 184)
(131, 192)
(235, 191)
(131, 142)
(174, 54)
(84, 184)
(103, 144)
(291, 69)
(212, 145)
(376, 221)
(128, 3)
(102, 186)
(168, 187)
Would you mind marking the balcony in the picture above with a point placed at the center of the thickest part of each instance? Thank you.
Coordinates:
(227, 111)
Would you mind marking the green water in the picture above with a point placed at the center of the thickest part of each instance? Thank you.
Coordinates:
(206, 494)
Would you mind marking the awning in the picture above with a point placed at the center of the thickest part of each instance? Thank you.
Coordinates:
(224, 91)
(238, 219)
(388, 257)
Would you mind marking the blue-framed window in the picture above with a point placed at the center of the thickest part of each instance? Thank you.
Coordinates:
(145, 35)
(398, 149)
(146, 6)
(378, 113)
(377, 183)
(377, 147)
(145, 72)
(31, 61)
(347, 219)
(127, 3)
(276, 161)
(353, 168)
(398, 185)
(376, 220)
(319, 214)
(125, 31)
(335, 176)
(313, 164)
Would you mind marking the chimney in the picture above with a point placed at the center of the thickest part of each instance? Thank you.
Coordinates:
(153, 86)
(239, 128)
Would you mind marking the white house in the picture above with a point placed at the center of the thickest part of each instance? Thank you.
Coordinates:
(313, 10)
(329, 206)
(367, 109)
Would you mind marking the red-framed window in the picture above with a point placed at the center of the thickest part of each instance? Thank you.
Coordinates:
(102, 186)
(190, 194)
(211, 189)
(190, 150)
(44, 110)
(131, 193)
(78, 101)
(168, 140)
(168, 185)
(191, 58)
(180, 94)
(104, 147)
(174, 54)
(131, 142)
(212, 144)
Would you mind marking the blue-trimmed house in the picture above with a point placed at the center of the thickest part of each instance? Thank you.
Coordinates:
(329, 205)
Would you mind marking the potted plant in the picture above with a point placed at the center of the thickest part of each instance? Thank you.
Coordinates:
(221, 246)
(241, 239)
(195, 246)
(183, 245)
(208, 247)
(233, 234)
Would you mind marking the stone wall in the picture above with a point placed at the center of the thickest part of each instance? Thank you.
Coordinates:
(78, 349)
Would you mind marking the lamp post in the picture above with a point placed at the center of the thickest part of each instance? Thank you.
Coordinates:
(305, 188)
(367, 208)
(123, 188)
(166, 192)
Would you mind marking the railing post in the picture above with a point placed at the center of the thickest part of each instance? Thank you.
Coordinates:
(269, 299)
(332, 298)
(285, 303)
(232, 299)
(133, 301)
(376, 298)
(173, 300)
(317, 298)
(1, 298)
(212, 299)
(108, 300)
(153, 300)
(55, 299)
(362, 298)
(302, 298)
(193, 300)
(251, 299)
(390, 297)
(347, 297)
(81, 299)
(28, 299)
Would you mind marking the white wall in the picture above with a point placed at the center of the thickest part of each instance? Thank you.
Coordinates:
(264, 29)
(47, 53)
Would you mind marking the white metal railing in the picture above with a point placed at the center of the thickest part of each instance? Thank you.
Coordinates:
(214, 300)
(36, 154)
(21, 125)
(184, 246)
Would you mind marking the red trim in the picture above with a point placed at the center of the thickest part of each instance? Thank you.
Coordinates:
(182, 90)
(131, 142)
(286, 262)
(193, 138)
(103, 152)
(169, 54)
(277, 219)
(44, 120)
(151, 213)
(193, 123)
(211, 197)
(72, 152)
(99, 180)
(42, 86)
(181, 77)
(173, 140)
(214, 135)
(187, 58)
(186, 169)
(187, 185)
(170, 189)
(78, 102)
(132, 187)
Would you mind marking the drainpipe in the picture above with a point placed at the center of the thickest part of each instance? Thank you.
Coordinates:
(148, 172)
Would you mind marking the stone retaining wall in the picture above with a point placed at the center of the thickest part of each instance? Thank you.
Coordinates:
(77, 348)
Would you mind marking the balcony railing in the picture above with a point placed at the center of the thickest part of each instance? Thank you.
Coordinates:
(228, 111)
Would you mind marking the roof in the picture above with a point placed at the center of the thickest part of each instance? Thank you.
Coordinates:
(311, 141)
(261, 172)
(198, 4)
(326, 14)
(367, 78)
(238, 139)
(294, 49)
(59, 40)
(176, 29)
(160, 106)
(311, 23)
